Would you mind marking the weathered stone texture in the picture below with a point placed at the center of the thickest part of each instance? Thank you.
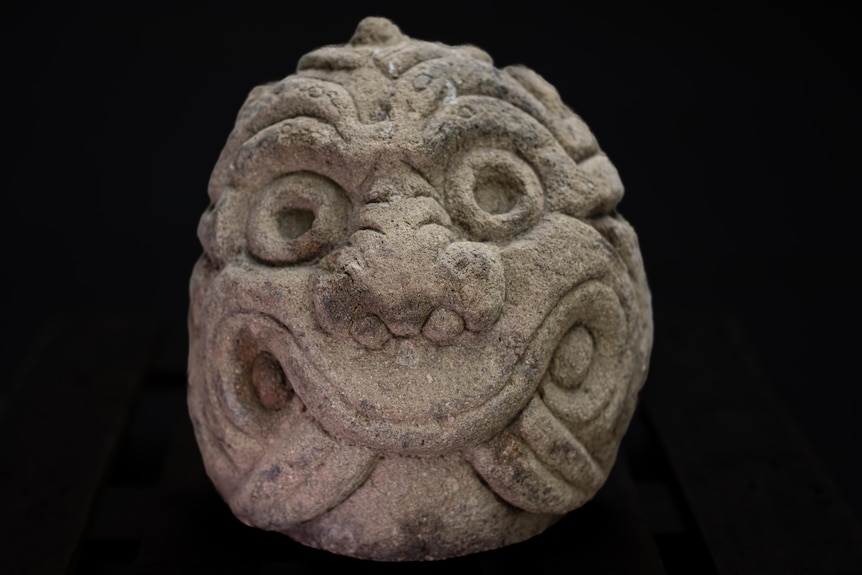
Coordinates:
(419, 326)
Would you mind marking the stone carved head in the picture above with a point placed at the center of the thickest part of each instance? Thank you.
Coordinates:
(419, 326)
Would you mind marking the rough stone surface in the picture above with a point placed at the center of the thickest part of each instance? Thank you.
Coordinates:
(419, 326)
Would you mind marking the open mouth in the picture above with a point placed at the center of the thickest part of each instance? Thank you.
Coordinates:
(413, 397)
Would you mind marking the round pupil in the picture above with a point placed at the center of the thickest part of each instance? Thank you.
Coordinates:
(495, 193)
(293, 223)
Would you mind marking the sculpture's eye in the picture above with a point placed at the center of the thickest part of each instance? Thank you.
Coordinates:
(293, 223)
(493, 193)
(296, 218)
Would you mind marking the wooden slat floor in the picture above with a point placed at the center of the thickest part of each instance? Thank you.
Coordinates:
(102, 475)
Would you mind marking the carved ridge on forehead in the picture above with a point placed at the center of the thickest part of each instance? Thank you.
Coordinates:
(468, 75)
(378, 43)
(286, 146)
(297, 96)
(270, 104)
(571, 131)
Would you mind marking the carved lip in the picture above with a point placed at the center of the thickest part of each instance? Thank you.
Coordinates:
(449, 397)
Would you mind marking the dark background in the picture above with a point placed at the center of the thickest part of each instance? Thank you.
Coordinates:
(736, 135)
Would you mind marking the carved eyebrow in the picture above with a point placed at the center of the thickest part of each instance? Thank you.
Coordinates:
(298, 97)
(516, 85)
(303, 99)
(295, 144)
(486, 116)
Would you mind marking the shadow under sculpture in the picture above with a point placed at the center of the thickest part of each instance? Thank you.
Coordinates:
(419, 326)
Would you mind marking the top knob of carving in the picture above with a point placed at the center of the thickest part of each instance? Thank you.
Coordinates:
(374, 31)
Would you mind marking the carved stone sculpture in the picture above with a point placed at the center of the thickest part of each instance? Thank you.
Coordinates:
(419, 326)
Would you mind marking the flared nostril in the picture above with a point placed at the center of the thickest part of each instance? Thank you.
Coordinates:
(371, 332)
(443, 325)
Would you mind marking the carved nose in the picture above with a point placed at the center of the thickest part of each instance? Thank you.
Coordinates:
(402, 274)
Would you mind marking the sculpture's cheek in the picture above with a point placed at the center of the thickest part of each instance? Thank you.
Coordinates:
(284, 467)
(545, 263)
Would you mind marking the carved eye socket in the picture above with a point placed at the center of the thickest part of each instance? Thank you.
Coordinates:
(297, 218)
(293, 223)
(494, 194)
